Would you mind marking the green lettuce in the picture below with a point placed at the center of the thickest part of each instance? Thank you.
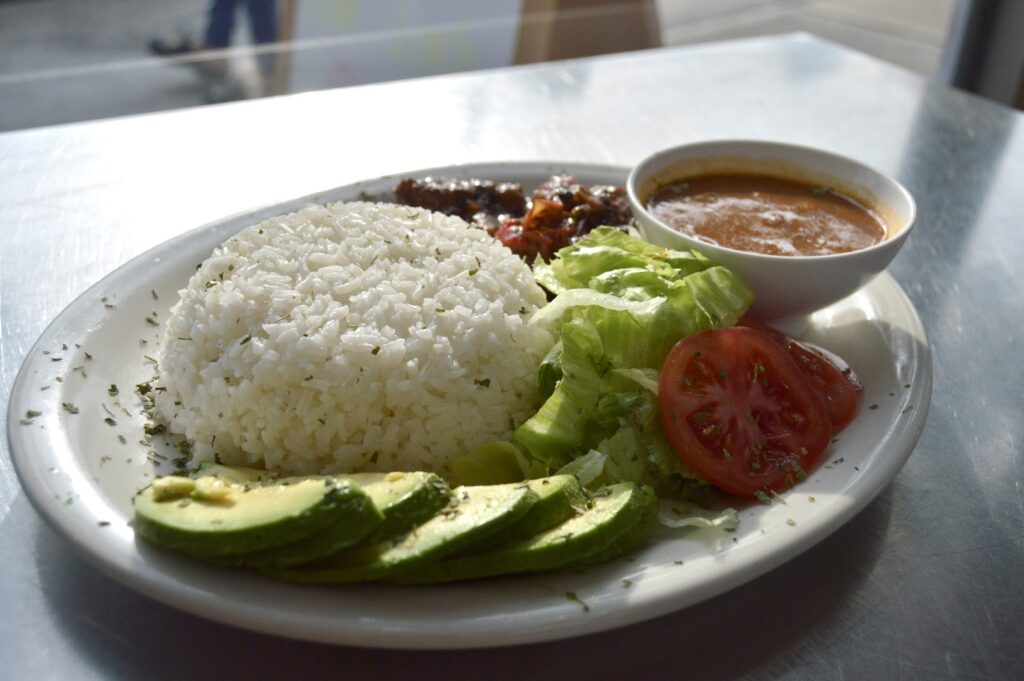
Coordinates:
(606, 250)
(621, 305)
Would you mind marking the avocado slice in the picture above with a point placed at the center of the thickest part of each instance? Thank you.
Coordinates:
(617, 511)
(238, 519)
(559, 497)
(473, 514)
(355, 517)
(393, 504)
(628, 540)
(405, 499)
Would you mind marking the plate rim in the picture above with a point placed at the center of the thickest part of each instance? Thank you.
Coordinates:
(155, 584)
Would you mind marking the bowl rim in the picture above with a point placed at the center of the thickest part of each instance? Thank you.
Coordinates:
(893, 242)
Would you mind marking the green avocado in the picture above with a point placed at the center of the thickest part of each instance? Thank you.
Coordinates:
(392, 503)
(628, 540)
(405, 499)
(207, 517)
(559, 497)
(617, 512)
(356, 516)
(396, 527)
(474, 514)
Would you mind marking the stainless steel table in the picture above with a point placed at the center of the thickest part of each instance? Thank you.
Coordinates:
(924, 583)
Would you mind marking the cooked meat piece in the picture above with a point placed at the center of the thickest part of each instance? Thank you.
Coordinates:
(561, 211)
(558, 188)
(545, 214)
(465, 198)
(527, 244)
(585, 207)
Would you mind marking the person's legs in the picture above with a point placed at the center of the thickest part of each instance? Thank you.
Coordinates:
(263, 20)
(221, 23)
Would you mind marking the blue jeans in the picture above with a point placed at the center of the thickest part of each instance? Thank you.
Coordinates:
(262, 21)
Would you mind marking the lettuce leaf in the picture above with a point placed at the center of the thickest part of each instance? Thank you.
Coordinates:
(682, 514)
(622, 304)
(607, 249)
(588, 469)
(550, 372)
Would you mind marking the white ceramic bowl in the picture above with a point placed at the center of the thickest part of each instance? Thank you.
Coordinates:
(787, 288)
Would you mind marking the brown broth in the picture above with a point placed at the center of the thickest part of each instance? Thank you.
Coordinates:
(769, 215)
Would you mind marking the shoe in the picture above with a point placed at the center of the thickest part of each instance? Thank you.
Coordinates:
(162, 48)
(227, 89)
(212, 69)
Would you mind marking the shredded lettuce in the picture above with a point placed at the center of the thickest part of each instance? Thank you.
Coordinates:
(588, 468)
(550, 372)
(645, 378)
(606, 250)
(677, 514)
(621, 305)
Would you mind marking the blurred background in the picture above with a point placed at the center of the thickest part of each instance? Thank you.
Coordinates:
(63, 61)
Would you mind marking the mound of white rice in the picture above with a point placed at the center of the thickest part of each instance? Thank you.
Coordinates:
(352, 337)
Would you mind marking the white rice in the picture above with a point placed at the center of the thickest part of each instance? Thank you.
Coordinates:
(352, 337)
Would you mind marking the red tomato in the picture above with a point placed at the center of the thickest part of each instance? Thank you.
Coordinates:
(833, 377)
(740, 412)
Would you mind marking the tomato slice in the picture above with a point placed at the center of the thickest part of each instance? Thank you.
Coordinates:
(831, 375)
(740, 412)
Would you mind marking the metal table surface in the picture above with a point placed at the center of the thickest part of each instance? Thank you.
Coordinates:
(924, 583)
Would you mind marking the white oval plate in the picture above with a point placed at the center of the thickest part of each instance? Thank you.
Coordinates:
(80, 475)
